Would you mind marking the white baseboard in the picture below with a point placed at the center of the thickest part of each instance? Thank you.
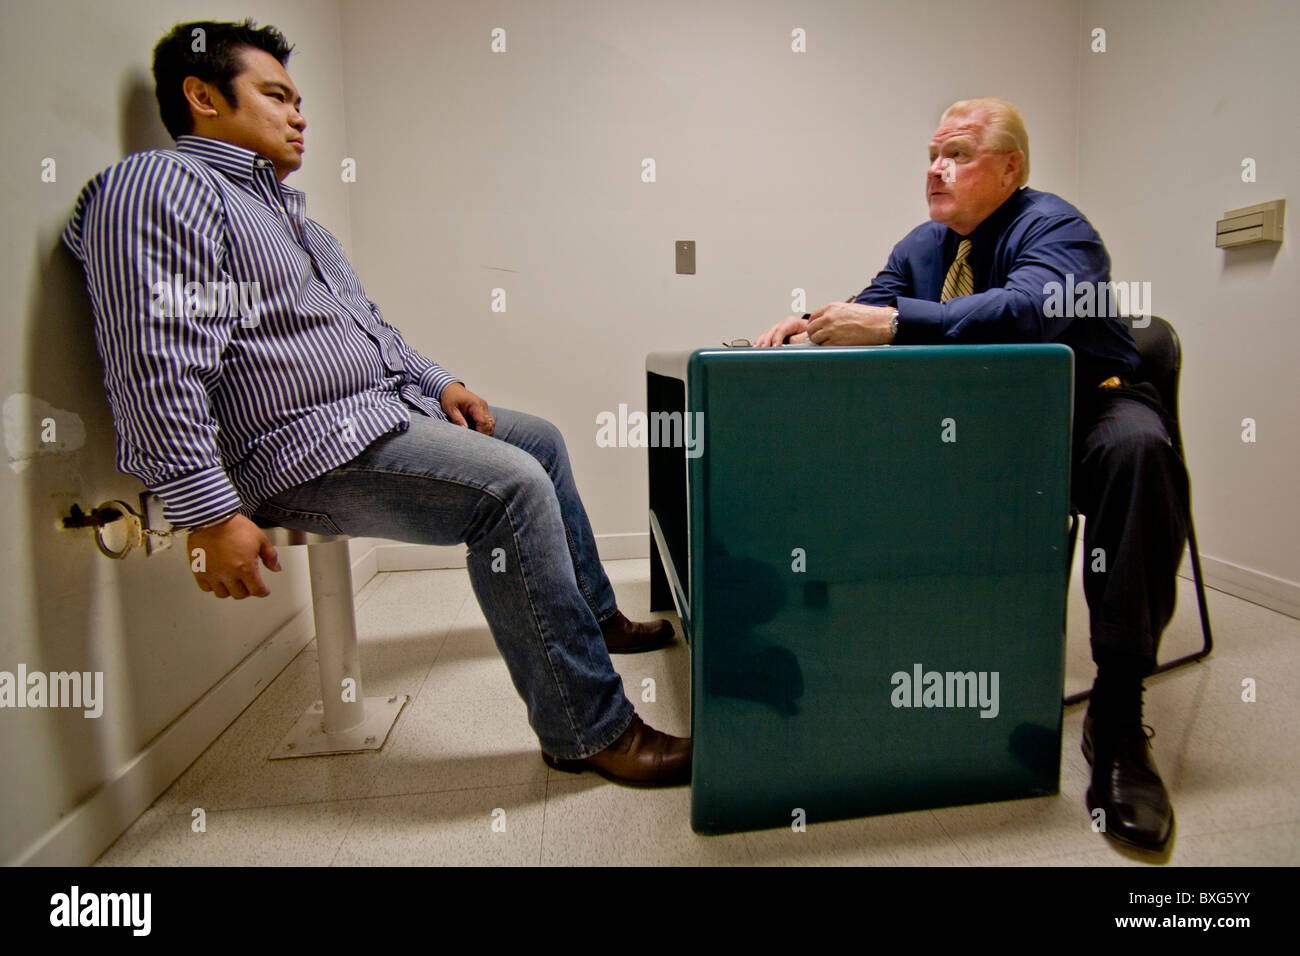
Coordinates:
(1257, 587)
(398, 556)
(365, 562)
(86, 831)
(620, 547)
(1276, 594)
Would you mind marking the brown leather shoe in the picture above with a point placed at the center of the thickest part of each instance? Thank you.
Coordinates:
(631, 637)
(642, 756)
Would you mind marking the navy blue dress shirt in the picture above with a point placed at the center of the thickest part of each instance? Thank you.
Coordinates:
(1030, 241)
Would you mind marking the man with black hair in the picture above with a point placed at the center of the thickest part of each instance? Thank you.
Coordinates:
(251, 378)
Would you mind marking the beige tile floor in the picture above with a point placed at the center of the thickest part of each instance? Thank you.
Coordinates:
(462, 756)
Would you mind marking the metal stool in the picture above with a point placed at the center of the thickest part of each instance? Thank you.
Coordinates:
(344, 720)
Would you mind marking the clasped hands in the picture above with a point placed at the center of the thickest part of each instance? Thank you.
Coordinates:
(227, 553)
(840, 323)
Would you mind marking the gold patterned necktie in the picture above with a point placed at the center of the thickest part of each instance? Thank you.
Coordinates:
(959, 280)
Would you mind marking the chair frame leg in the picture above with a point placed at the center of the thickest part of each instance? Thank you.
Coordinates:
(1208, 646)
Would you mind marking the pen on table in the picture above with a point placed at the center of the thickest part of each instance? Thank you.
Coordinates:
(808, 315)
(786, 341)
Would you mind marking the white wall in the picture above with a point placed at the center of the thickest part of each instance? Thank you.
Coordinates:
(522, 170)
(78, 89)
(1184, 92)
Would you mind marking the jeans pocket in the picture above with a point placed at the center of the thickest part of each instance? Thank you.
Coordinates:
(313, 521)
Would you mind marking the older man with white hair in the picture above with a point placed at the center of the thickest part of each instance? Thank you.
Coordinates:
(984, 270)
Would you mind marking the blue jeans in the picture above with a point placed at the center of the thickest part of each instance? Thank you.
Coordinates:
(532, 555)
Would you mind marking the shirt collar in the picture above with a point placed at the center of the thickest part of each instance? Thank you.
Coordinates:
(228, 158)
(237, 162)
(997, 220)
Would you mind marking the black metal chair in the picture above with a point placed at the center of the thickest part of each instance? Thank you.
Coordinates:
(1162, 361)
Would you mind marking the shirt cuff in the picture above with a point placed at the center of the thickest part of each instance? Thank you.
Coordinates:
(920, 322)
(197, 498)
(434, 380)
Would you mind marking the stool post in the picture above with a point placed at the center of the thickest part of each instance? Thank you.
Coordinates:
(343, 721)
(336, 635)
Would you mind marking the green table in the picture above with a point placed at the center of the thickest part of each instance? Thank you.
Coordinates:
(867, 548)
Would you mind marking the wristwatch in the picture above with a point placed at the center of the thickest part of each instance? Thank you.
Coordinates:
(893, 326)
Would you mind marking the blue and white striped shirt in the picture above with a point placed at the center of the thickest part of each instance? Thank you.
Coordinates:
(241, 355)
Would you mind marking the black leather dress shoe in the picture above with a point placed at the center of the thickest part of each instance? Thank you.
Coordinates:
(642, 756)
(1126, 785)
(631, 637)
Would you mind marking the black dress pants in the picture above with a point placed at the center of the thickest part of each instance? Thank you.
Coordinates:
(1131, 485)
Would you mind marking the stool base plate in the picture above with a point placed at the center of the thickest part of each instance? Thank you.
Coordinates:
(307, 738)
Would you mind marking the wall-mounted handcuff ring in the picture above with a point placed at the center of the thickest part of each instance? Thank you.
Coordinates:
(135, 529)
